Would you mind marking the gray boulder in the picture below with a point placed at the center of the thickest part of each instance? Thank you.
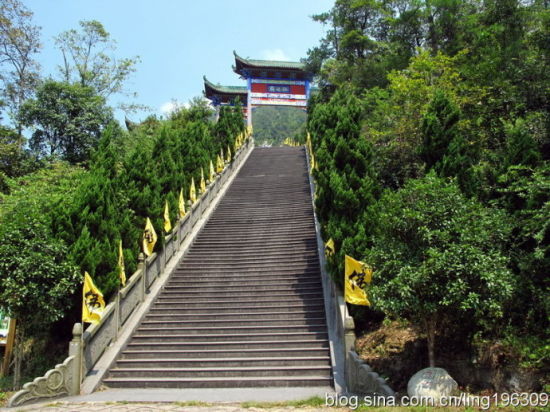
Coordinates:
(431, 382)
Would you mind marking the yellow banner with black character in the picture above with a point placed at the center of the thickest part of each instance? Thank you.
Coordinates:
(120, 265)
(202, 183)
(192, 192)
(149, 238)
(167, 223)
(330, 249)
(93, 304)
(181, 205)
(357, 276)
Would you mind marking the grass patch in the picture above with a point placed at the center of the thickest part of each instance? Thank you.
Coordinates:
(6, 384)
(315, 401)
(192, 403)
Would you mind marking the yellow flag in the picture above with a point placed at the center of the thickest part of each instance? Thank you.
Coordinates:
(212, 174)
(121, 269)
(149, 238)
(228, 159)
(219, 164)
(222, 155)
(93, 304)
(193, 192)
(181, 205)
(357, 276)
(312, 162)
(329, 248)
(167, 223)
(203, 183)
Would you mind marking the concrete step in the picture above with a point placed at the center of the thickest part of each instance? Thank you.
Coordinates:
(260, 220)
(238, 253)
(225, 323)
(267, 286)
(258, 294)
(258, 336)
(276, 256)
(223, 362)
(272, 272)
(221, 310)
(219, 382)
(229, 301)
(210, 372)
(252, 245)
(234, 316)
(267, 268)
(254, 239)
(224, 330)
(221, 283)
(234, 277)
(206, 353)
(226, 344)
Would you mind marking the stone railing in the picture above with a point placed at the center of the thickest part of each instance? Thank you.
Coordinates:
(88, 347)
(351, 373)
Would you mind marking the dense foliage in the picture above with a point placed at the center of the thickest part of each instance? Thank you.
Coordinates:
(273, 124)
(68, 120)
(38, 279)
(122, 189)
(440, 257)
(431, 139)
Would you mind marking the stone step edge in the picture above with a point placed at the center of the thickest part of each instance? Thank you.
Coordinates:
(221, 360)
(222, 379)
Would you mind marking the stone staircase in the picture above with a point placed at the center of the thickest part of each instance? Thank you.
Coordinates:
(244, 307)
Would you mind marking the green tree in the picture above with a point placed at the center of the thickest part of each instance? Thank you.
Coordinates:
(85, 59)
(15, 162)
(274, 124)
(346, 181)
(439, 129)
(439, 258)
(98, 216)
(68, 119)
(19, 43)
(228, 126)
(38, 278)
(39, 284)
(525, 193)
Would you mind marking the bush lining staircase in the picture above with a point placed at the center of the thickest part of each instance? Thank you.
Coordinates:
(244, 307)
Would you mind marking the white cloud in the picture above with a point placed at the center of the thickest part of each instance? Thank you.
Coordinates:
(173, 105)
(274, 54)
(169, 107)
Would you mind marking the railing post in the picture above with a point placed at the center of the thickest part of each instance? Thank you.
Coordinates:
(349, 344)
(75, 349)
(164, 253)
(117, 315)
(142, 264)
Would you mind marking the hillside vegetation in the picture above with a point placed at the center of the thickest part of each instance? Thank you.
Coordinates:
(431, 139)
(273, 124)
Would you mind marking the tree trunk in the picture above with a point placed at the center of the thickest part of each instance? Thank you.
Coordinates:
(430, 334)
(19, 137)
(18, 357)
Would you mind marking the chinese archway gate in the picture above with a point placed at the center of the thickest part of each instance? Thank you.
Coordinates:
(268, 83)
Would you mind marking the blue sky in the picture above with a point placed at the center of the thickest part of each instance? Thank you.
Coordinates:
(179, 41)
